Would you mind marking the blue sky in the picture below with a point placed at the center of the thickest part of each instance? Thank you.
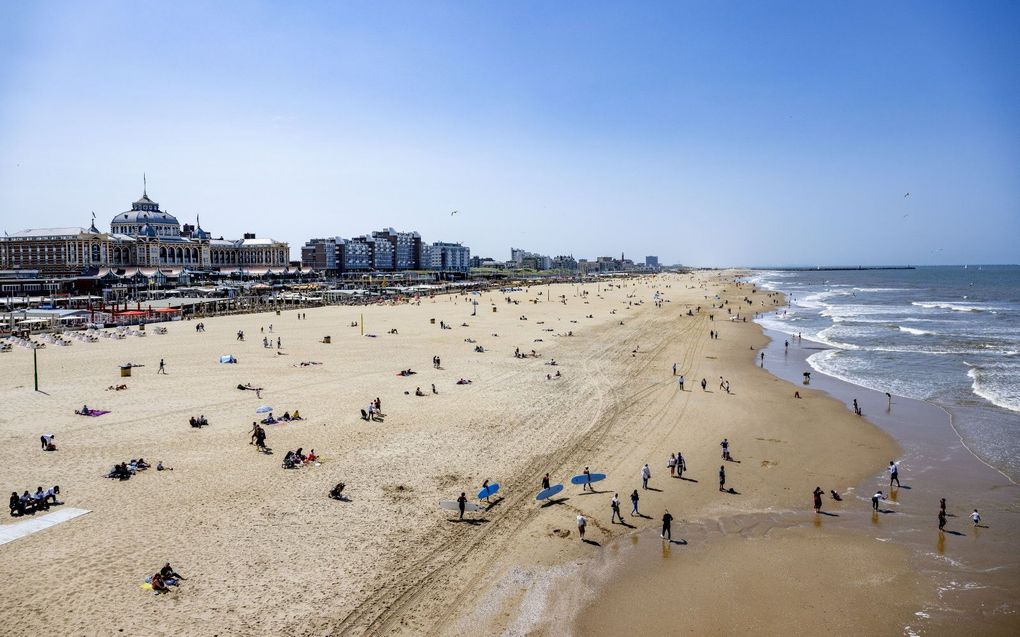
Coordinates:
(754, 133)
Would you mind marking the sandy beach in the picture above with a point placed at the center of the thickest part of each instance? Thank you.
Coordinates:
(265, 551)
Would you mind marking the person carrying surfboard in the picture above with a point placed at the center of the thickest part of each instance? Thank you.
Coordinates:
(545, 482)
(485, 490)
(587, 483)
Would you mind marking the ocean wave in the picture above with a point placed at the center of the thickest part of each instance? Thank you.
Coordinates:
(997, 384)
(855, 371)
(915, 332)
(881, 289)
(954, 306)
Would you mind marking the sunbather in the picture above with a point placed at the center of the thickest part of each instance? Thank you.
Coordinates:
(337, 492)
(158, 585)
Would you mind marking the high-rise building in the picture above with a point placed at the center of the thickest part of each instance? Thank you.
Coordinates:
(652, 262)
(450, 257)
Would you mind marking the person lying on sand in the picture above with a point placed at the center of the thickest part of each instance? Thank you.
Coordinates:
(119, 472)
(337, 492)
(160, 467)
(116, 388)
(463, 381)
(407, 372)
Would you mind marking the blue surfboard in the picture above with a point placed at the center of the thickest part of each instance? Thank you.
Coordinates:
(550, 492)
(583, 479)
(489, 490)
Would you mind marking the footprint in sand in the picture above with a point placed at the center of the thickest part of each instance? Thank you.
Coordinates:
(769, 463)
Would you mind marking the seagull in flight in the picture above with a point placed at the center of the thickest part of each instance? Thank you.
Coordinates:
(906, 195)
(454, 212)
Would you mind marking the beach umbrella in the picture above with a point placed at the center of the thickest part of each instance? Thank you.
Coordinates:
(263, 409)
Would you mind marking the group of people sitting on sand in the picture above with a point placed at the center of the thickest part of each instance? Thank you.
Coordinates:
(164, 579)
(198, 422)
(28, 503)
(295, 459)
(286, 417)
(116, 388)
(125, 470)
(531, 354)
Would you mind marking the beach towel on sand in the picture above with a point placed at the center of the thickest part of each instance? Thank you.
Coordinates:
(92, 412)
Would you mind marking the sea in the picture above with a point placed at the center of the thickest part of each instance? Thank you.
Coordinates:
(948, 335)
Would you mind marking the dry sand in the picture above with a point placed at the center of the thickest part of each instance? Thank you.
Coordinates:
(266, 552)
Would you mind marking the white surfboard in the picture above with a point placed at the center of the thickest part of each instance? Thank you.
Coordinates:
(452, 505)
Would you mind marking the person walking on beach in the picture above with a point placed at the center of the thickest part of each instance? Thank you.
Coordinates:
(875, 499)
(763, 359)
(674, 369)
(162, 367)
(681, 465)
(727, 387)
(667, 522)
(725, 444)
(277, 342)
(461, 503)
(581, 523)
(587, 482)
(975, 517)
(646, 473)
(722, 478)
(614, 504)
(704, 385)
(671, 463)
(894, 474)
(634, 497)
(818, 499)
(680, 382)
(942, 520)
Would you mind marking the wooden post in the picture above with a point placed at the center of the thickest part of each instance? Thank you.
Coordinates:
(35, 366)
(362, 324)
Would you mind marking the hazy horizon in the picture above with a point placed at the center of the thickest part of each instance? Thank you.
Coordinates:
(782, 133)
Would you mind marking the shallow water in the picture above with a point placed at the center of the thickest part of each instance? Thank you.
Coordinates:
(947, 335)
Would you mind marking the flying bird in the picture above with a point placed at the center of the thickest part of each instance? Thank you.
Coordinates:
(906, 195)
(454, 212)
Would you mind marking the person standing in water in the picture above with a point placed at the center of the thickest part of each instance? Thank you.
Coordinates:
(894, 474)
(942, 520)
(667, 521)
(818, 499)
(875, 499)
(975, 517)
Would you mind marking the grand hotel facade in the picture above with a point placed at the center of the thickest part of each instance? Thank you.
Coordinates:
(142, 240)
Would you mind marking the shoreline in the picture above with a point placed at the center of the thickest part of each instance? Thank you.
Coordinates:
(950, 469)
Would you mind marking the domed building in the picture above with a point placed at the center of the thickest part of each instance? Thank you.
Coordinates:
(142, 240)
